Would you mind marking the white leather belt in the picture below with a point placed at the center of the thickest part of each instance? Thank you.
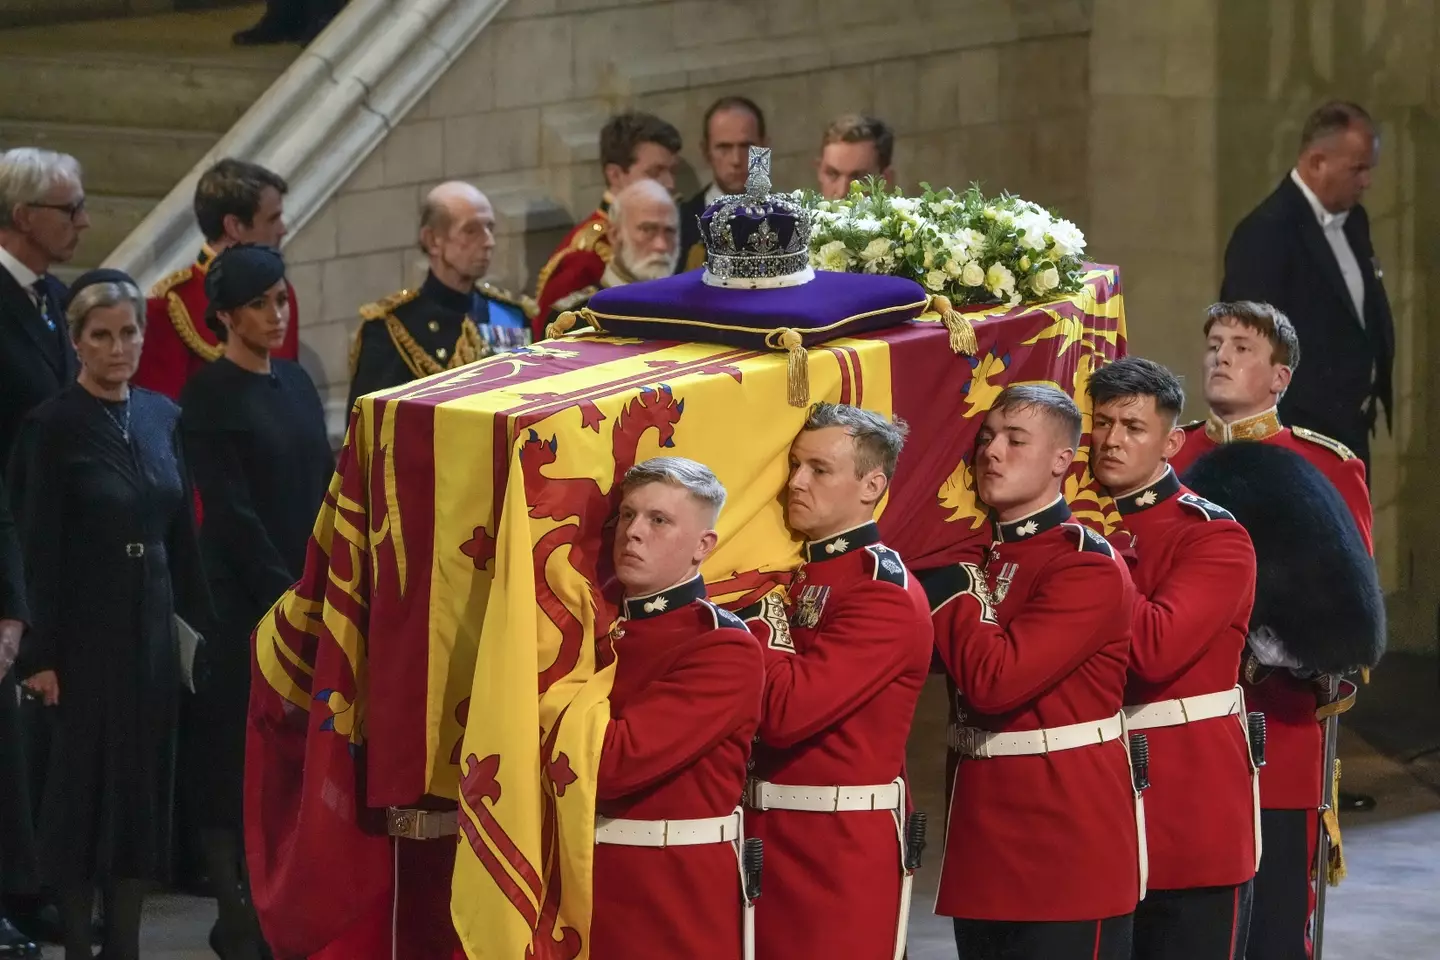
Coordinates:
(1174, 713)
(763, 795)
(667, 833)
(982, 744)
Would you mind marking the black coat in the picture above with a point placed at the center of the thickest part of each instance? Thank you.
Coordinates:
(1278, 254)
(692, 248)
(36, 362)
(108, 531)
(262, 462)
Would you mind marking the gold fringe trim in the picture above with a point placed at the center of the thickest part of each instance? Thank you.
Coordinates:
(1335, 869)
(798, 367)
(962, 332)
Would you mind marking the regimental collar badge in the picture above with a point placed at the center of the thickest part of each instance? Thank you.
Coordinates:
(810, 607)
(642, 608)
(1033, 525)
(1258, 427)
(1148, 496)
(846, 541)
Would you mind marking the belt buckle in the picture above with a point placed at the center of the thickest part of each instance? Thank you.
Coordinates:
(134, 550)
(754, 794)
(403, 823)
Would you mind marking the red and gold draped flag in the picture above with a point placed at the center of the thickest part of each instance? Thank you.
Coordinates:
(442, 639)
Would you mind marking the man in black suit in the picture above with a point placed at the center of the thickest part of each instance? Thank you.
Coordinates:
(42, 214)
(732, 126)
(1306, 250)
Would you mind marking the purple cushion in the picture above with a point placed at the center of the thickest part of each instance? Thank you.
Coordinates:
(684, 308)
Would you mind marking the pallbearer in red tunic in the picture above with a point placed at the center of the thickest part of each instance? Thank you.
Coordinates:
(683, 711)
(235, 202)
(1251, 352)
(1043, 859)
(633, 146)
(1194, 571)
(844, 668)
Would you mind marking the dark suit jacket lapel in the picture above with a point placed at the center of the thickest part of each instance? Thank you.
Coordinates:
(20, 311)
(1318, 246)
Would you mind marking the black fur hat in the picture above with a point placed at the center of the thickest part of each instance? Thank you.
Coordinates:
(1316, 587)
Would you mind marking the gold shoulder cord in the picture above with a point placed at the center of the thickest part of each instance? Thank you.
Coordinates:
(180, 317)
(592, 238)
(468, 348)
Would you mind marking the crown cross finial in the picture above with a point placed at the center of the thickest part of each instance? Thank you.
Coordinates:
(757, 182)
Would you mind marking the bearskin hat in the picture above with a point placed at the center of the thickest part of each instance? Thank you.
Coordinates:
(1316, 589)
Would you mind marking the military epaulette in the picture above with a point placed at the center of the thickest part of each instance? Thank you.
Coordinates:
(769, 613)
(1210, 511)
(163, 288)
(381, 309)
(724, 618)
(589, 238)
(1193, 425)
(888, 565)
(572, 300)
(526, 304)
(1090, 541)
(1329, 443)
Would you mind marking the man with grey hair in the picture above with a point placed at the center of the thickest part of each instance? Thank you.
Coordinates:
(644, 235)
(1035, 636)
(1306, 249)
(42, 214)
(684, 706)
(456, 316)
(844, 660)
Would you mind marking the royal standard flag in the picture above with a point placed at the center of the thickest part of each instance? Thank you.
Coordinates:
(442, 639)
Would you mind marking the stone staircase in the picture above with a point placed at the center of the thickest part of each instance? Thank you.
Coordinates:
(138, 101)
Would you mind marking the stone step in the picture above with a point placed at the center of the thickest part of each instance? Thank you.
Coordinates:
(138, 162)
(125, 91)
(112, 218)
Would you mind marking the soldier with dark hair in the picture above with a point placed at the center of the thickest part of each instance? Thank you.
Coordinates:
(854, 147)
(732, 126)
(1202, 811)
(235, 202)
(633, 146)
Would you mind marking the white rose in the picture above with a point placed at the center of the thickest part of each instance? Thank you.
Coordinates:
(875, 249)
(1032, 227)
(866, 224)
(1069, 241)
(936, 280)
(955, 267)
(904, 204)
(834, 256)
(1045, 281)
(999, 280)
(972, 274)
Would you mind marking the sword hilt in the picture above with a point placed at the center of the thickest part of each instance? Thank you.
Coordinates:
(1255, 724)
(752, 863)
(915, 826)
(1140, 760)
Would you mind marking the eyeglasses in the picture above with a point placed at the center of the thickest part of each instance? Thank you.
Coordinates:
(71, 210)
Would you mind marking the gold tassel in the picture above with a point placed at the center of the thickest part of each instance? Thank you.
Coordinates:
(962, 333)
(1335, 868)
(562, 325)
(799, 366)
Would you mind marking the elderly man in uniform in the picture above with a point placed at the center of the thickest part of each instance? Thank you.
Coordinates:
(1202, 814)
(633, 146)
(683, 711)
(1251, 353)
(455, 317)
(643, 232)
(1044, 853)
(235, 202)
(844, 667)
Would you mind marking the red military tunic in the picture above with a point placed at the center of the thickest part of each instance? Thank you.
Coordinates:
(178, 341)
(577, 263)
(683, 712)
(1292, 778)
(1043, 837)
(1194, 575)
(843, 676)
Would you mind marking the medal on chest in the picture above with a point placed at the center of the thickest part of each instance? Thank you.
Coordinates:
(998, 576)
(809, 606)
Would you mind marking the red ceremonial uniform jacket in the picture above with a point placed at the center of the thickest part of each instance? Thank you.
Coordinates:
(683, 712)
(844, 668)
(1292, 778)
(1052, 837)
(577, 263)
(178, 341)
(1194, 574)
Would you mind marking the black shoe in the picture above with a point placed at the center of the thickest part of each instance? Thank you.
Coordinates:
(13, 943)
(1356, 802)
(41, 924)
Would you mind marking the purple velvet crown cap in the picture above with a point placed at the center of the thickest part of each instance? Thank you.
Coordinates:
(757, 238)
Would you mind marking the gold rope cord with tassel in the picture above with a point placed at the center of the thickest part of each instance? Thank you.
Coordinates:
(1335, 867)
(962, 332)
(798, 368)
(564, 323)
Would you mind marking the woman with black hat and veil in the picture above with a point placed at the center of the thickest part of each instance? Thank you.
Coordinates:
(254, 428)
(108, 535)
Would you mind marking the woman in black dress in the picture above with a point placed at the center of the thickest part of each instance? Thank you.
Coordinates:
(108, 532)
(255, 431)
